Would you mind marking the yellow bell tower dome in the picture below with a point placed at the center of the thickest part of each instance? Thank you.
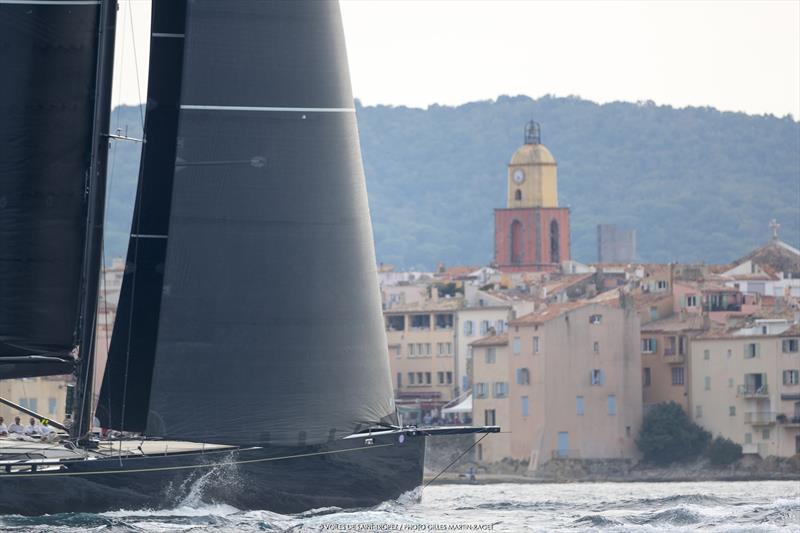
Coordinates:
(532, 173)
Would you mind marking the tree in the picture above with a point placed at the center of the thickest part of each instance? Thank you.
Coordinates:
(667, 435)
(724, 451)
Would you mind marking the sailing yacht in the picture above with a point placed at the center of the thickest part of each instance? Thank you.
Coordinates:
(249, 348)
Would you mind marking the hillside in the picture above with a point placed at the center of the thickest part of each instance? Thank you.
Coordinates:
(697, 184)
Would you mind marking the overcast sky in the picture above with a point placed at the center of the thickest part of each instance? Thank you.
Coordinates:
(732, 55)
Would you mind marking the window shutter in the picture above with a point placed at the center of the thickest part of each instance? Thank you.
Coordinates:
(683, 300)
(758, 349)
(602, 377)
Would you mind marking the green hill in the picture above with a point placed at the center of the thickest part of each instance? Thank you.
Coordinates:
(697, 184)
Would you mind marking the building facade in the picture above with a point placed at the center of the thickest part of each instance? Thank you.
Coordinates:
(745, 386)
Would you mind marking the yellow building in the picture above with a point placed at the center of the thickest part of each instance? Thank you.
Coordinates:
(490, 396)
(44, 395)
(422, 346)
(746, 386)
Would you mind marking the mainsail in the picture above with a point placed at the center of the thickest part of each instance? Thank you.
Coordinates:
(269, 325)
(48, 52)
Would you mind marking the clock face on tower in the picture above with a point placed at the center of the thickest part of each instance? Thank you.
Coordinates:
(518, 176)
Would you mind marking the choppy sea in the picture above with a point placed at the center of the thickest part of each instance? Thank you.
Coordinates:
(712, 506)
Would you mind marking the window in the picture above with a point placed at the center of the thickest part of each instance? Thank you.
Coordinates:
(500, 389)
(677, 375)
(764, 434)
(427, 378)
(555, 253)
(596, 320)
(612, 405)
(440, 348)
(468, 328)
(411, 378)
(484, 327)
(654, 313)
(649, 345)
(421, 322)
(499, 326)
(518, 195)
(646, 377)
(682, 345)
(791, 377)
(691, 300)
(536, 345)
(516, 345)
(449, 348)
(748, 438)
(491, 355)
(579, 405)
(51, 406)
(598, 378)
(480, 390)
(661, 284)
(488, 417)
(596, 347)
(427, 348)
(399, 379)
(411, 350)
(524, 405)
(698, 411)
(732, 410)
(449, 376)
(523, 376)
(706, 354)
(419, 378)
(444, 348)
(395, 322)
(24, 403)
(751, 350)
(440, 376)
(790, 345)
(707, 382)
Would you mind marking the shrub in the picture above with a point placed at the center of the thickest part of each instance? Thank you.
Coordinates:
(667, 435)
(724, 451)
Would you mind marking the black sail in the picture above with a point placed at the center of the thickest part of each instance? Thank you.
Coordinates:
(269, 328)
(48, 54)
(125, 391)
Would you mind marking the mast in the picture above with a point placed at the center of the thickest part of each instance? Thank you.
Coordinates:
(95, 209)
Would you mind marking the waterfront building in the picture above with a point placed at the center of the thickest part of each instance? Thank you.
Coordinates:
(665, 348)
(572, 383)
(532, 231)
(421, 341)
(745, 385)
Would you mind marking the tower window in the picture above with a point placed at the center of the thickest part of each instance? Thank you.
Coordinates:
(516, 242)
(555, 254)
(518, 195)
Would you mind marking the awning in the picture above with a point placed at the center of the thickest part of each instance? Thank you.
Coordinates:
(463, 406)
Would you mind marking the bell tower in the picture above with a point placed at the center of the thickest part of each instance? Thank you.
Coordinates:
(532, 232)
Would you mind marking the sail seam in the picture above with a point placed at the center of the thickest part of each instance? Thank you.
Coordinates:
(173, 35)
(147, 236)
(277, 109)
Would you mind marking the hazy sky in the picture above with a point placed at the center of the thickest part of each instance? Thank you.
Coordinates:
(733, 55)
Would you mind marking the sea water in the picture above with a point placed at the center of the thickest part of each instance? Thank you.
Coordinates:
(712, 506)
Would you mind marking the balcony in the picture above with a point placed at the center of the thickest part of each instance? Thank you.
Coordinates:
(760, 418)
(672, 358)
(753, 392)
(788, 421)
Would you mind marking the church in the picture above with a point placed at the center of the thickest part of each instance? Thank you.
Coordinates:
(531, 234)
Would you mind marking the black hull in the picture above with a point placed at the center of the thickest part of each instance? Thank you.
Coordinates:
(345, 473)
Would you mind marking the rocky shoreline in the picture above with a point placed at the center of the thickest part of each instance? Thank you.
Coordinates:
(620, 470)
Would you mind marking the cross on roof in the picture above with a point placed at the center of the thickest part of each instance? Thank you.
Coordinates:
(774, 226)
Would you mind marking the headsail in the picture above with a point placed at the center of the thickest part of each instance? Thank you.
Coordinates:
(48, 52)
(270, 327)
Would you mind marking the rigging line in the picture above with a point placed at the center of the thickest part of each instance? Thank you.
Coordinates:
(454, 460)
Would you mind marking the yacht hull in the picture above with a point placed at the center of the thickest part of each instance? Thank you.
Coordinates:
(347, 473)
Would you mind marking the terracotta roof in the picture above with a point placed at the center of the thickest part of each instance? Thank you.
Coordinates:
(565, 282)
(492, 340)
(645, 299)
(549, 313)
(513, 296)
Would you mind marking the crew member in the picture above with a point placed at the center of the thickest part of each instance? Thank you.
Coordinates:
(16, 428)
(32, 428)
(3, 428)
